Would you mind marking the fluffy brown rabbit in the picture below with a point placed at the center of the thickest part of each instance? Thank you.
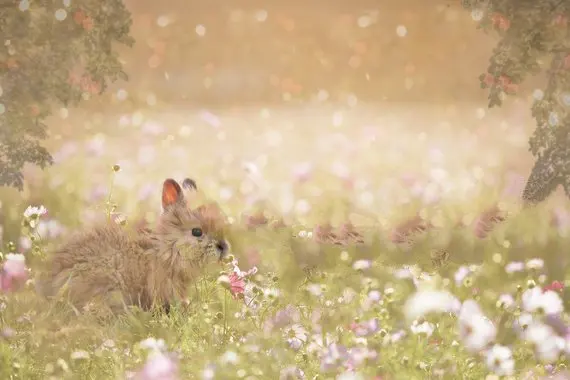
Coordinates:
(143, 267)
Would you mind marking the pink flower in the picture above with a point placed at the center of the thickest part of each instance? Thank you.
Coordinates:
(14, 273)
(554, 286)
(237, 284)
(159, 366)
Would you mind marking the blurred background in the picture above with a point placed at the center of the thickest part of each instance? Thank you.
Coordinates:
(375, 101)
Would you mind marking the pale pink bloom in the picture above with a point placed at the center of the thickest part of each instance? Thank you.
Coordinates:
(159, 366)
(14, 273)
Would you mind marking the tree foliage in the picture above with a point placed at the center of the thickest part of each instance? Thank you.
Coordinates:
(534, 38)
(52, 52)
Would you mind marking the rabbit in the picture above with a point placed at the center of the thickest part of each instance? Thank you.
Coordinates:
(146, 267)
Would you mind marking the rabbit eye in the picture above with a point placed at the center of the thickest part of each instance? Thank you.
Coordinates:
(197, 232)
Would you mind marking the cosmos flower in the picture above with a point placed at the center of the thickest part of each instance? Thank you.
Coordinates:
(296, 336)
(547, 345)
(365, 328)
(554, 286)
(424, 328)
(514, 266)
(548, 302)
(499, 360)
(333, 356)
(14, 273)
(428, 301)
(33, 213)
(535, 264)
(475, 329)
(237, 284)
(159, 366)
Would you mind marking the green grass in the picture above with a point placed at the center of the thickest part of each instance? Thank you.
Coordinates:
(46, 336)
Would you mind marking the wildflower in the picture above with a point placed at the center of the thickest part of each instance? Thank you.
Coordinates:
(461, 274)
(366, 328)
(333, 356)
(554, 286)
(523, 321)
(236, 284)
(547, 345)
(403, 273)
(358, 356)
(315, 289)
(475, 330)
(350, 375)
(286, 315)
(500, 360)
(535, 264)
(296, 336)
(229, 357)
(514, 266)
(428, 301)
(209, 373)
(81, 354)
(395, 337)
(549, 302)
(424, 327)
(506, 301)
(362, 264)
(14, 272)
(153, 344)
(159, 366)
(318, 342)
(291, 373)
(34, 212)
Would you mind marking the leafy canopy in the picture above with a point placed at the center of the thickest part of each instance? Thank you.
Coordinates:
(534, 38)
(52, 52)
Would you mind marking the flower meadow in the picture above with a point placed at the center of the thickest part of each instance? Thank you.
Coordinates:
(388, 276)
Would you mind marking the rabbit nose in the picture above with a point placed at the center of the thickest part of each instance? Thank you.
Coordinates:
(222, 246)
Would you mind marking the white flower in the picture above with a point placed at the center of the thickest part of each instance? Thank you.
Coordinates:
(403, 273)
(33, 211)
(361, 265)
(475, 329)
(547, 344)
(153, 344)
(460, 274)
(549, 302)
(500, 360)
(349, 375)
(229, 357)
(514, 266)
(428, 301)
(506, 301)
(535, 264)
(523, 321)
(422, 328)
(295, 335)
(81, 354)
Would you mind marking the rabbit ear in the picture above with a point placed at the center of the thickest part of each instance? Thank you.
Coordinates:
(171, 193)
(189, 184)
